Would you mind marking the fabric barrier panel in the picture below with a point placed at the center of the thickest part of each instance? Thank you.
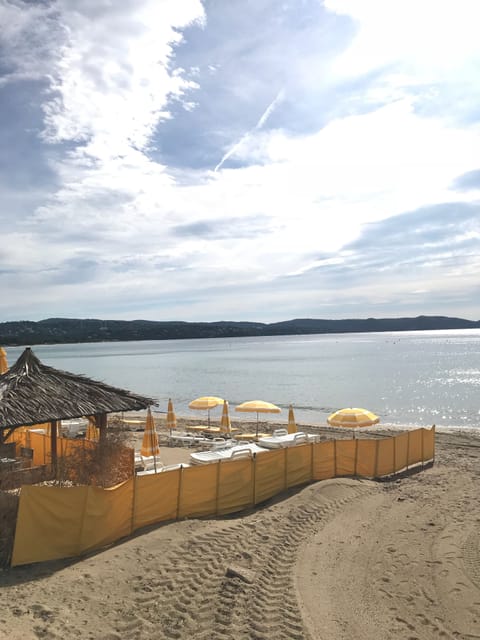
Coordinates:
(198, 491)
(415, 445)
(299, 464)
(107, 515)
(59, 522)
(345, 457)
(324, 460)
(235, 486)
(366, 458)
(269, 474)
(400, 452)
(428, 436)
(49, 523)
(156, 498)
(40, 443)
(385, 458)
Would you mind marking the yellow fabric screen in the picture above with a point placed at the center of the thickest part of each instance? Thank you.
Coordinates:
(323, 460)
(428, 436)
(235, 488)
(269, 474)
(107, 515)
(415, 446)
(198, 491)
(299, 464)
(401, 451)
(366, 457)
(345, 454)
(40, 444)
(49, 523)
(156, 498)
(385, 461)
(58, 522)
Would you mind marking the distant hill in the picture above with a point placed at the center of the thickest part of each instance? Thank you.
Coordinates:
(65, 330)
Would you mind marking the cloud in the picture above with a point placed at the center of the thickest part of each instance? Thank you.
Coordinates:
(469, 181)
(345, 156)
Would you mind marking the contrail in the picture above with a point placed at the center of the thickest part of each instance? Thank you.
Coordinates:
(263, 119)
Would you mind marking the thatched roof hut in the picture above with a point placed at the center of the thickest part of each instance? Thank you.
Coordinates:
(33, 393)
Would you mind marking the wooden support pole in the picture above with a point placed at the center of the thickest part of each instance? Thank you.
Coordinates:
(101, 422)
(53, 446)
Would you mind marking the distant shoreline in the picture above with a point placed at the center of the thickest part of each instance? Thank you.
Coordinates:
(77, 331)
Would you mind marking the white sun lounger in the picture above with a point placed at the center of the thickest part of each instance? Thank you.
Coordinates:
(281, 438)
(226, 453)
(161, 468)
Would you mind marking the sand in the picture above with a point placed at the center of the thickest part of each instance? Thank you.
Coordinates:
(339, 559)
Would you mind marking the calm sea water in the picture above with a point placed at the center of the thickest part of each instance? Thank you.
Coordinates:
(411, 378)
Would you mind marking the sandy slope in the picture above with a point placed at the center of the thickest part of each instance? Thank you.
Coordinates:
(338, 559)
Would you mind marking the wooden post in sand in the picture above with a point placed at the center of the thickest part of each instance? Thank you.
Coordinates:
(312, 444)
(334, 458)
(217, 491)
(53, 447)
(356, 458)
(254, 477)
(408, 447)
(375, 471)
(394, 455)
(179, 493)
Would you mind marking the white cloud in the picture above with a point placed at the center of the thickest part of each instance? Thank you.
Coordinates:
(111, 217)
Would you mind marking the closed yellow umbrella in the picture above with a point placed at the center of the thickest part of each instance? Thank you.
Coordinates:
(205, 403)
(225, 424)
(93, 432)
(3, 361)
(150, 447)
(352, 418)
(258, 406)
(171, 417)
(292, 425)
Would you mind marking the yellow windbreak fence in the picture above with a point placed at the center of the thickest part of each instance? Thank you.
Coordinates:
(56, 522)
(40, 443)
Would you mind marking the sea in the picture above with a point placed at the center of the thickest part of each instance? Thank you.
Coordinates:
(407, 378)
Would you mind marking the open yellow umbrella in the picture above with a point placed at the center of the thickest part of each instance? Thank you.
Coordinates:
(150, 446)
(205, 403)
(292, 425)
(3, 361)
(225, 425)
(171, 417)
(352, 418)
(258, 406)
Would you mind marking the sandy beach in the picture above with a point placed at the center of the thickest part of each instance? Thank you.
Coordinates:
(339, 559)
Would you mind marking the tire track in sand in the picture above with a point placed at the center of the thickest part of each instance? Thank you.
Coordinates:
(236, 583)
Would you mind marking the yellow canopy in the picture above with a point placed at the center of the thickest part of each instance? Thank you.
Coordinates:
(292, 425)
(171, 417)
(258, 406)
(225, 424)
(3, 361)
(352, 418)
(206, 403)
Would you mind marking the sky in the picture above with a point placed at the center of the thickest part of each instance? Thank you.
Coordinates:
(257, 160)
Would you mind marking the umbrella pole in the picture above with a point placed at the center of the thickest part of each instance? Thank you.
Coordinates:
(153, 449)
(256, 431)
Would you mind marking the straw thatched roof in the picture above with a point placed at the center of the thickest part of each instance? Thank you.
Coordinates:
(32, 393)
